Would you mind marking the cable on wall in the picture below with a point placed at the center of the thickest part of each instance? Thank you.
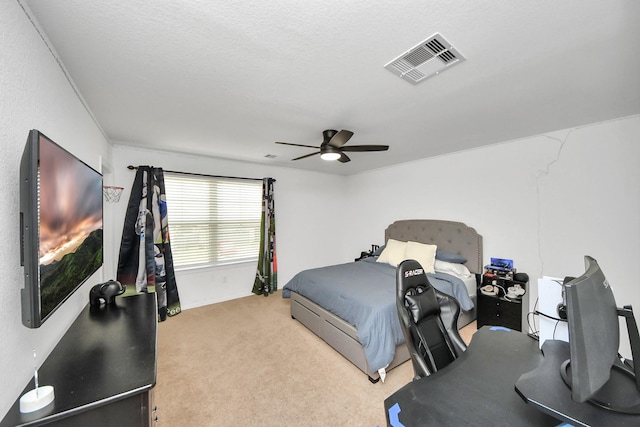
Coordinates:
(545, 172)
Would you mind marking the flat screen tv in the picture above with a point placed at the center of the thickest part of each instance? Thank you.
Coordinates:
(61, 226)
(595, 371)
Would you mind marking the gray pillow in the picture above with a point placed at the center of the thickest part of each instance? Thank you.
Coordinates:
(450, 257)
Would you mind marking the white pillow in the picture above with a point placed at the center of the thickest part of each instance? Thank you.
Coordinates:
(393, 252)
(458, 270)
(424, 254)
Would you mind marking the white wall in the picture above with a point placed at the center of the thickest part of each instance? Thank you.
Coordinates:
(35, 94)
(544, 201)
(309, 228)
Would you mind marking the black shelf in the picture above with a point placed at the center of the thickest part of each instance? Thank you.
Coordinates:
(103, 370)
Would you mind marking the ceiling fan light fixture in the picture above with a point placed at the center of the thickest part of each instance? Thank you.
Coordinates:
(330, 156)
(333, 146)
(330, 153)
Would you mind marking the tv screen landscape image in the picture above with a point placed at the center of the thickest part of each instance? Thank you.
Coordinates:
(61, 220)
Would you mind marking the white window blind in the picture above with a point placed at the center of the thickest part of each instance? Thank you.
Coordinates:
(212, 220)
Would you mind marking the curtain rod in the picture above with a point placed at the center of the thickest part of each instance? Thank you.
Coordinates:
(130, 167)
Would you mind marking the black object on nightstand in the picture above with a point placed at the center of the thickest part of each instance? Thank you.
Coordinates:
(496, 308)
(369, 253)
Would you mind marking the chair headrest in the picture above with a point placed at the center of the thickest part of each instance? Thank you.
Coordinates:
(410, 274)
(423, 305)
(415, 290)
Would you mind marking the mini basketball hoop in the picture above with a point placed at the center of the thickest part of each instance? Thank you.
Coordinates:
(111, 193)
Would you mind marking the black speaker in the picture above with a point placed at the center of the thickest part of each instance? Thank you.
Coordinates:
(521, 277)
(562, 307)
(562, 311)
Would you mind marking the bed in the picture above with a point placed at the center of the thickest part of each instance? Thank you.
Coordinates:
(362, 323)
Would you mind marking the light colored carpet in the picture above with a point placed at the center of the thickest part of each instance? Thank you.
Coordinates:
(246, 362)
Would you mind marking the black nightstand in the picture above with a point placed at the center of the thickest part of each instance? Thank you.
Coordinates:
(497, 310)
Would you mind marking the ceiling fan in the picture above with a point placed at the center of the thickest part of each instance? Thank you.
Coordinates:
(333, 146)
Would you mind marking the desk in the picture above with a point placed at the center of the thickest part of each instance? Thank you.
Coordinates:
(544, 389)
(477, 389)
(103, 370)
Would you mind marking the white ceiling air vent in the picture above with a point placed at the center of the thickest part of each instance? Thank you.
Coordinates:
(425, 60)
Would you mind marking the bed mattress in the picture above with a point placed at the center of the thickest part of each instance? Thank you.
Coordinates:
(363, 294)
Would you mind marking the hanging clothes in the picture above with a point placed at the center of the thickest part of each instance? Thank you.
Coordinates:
(266, 281)
(145, 260)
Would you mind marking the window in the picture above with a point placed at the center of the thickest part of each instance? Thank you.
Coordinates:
(213, 221)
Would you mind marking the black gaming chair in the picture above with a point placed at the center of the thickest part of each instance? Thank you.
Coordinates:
(429, 320)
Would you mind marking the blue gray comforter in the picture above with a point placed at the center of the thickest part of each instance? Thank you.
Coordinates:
(363, 294)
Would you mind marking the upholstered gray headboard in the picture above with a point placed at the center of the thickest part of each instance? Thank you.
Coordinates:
(449, 236)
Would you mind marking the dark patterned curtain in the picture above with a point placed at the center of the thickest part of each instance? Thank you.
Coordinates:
(145, 260)
(266, 281)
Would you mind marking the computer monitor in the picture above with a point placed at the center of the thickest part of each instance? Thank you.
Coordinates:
(595, 371)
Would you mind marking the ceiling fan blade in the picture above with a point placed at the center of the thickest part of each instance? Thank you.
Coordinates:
(344, 158)
(340, 138)
(296, 145)
(365, 148)
(306, 155)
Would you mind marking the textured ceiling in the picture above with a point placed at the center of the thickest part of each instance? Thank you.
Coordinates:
(228, 79)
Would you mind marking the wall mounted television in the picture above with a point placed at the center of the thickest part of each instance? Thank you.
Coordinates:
(61, 226)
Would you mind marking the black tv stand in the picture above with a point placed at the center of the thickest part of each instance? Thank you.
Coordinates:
(103, 370)
(545, 389)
